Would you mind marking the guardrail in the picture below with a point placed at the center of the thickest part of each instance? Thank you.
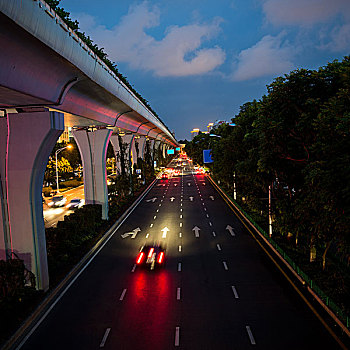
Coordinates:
(338, 315)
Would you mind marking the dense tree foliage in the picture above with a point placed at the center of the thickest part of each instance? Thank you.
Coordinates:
(296, 139)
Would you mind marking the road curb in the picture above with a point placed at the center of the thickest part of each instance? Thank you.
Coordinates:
(34, 320)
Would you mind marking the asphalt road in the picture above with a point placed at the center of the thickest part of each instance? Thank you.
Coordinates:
(217, 289)
(53, 215)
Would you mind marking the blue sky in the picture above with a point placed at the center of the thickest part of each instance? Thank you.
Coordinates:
(197, 61)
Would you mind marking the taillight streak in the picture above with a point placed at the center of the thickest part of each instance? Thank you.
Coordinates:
(140, 257)
(150, 253)
(161, 257)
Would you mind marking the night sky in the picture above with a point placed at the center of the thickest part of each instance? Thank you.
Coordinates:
(197, 61)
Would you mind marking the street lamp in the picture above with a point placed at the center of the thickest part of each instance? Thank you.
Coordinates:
(58, 151)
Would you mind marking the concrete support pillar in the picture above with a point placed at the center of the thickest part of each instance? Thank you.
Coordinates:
(129, 140)
(115, 143)
(164, 150)
(141, 141)
(93, 149)
(26, 140)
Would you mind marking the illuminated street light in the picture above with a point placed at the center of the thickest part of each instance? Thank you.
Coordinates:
(58, 151)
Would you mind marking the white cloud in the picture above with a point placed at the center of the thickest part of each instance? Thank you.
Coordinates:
(128, 42)
(270, 56)
(339, 39)
(304, 12)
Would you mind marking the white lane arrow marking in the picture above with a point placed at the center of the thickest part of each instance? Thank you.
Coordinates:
(196, 230)
(133, 233)
(191, 199)
(228, 227)
(151, 200)
(172, 199)
(211, 197)
(165, 230)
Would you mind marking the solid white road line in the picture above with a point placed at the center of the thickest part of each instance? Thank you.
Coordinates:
(177, 336)
(180, 248)
(123, 295)
(218, 246)
(214, 234)
(178, 294)
(105, 338)
(225, 265)
(235, 292)
(179, 267)
(250, 334)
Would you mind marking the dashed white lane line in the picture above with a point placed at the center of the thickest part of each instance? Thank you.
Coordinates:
(181, 209)
(214, 234)
(210, 224)
(218, 246)
(250, 334)
(157, 210)
(178, 294)
(207, 215)
(160, 204)
(180, 234)
(133, 268)
(177, 336)
(205, 209)
(234, 290)
(122, 295)
(151, 225)
(154, 217)
(180, 248)
(179, 267)
(203, 203)
(225, 265)
(180, 224)
(181, 216)
(105, 337)
(147, 235)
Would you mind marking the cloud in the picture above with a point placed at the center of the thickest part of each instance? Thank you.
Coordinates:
(304, 12)
(179, 53)
(339, 39)
(270, 56)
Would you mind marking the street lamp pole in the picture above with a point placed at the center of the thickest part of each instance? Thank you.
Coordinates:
(56, 153)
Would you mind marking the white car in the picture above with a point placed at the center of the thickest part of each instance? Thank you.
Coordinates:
(57, 201)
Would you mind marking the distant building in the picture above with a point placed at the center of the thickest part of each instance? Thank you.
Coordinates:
(194, 133)
(210, 126)
(66, 135)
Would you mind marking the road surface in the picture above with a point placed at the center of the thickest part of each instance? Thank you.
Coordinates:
(217, 290)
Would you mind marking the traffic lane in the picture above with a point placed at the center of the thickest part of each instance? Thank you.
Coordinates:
(90, 304)
(53, 215)
(149, 311)
(244, 259)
